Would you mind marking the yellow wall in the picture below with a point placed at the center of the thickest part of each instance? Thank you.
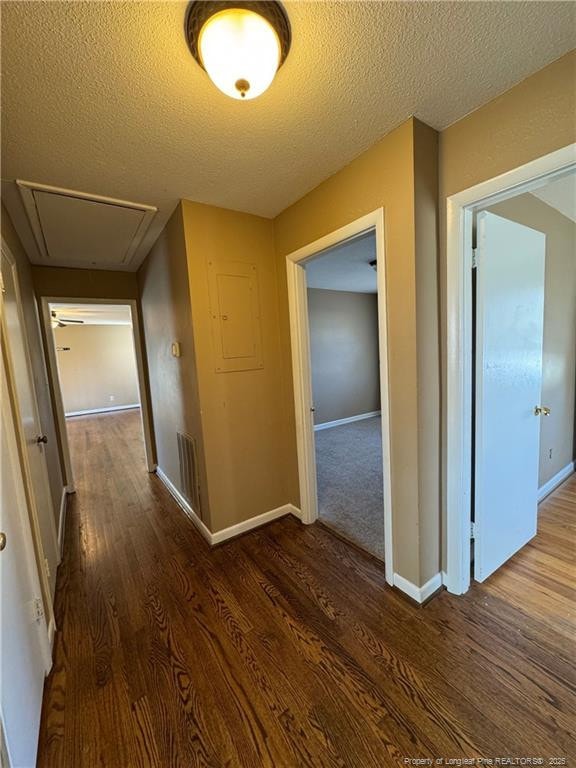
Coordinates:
(167, 318)
(242, 411)
(534, 118)
(389, 175)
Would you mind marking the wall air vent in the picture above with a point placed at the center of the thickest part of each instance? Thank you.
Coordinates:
(189, 478)
(76, 229)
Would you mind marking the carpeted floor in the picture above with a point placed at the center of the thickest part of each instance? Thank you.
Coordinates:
(349, 468)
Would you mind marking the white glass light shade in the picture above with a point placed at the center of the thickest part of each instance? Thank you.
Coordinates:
(240, 51)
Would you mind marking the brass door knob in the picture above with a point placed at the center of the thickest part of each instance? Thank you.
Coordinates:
(541, 410)
(2, 541)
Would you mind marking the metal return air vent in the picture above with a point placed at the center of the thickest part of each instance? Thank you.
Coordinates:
(189, 477)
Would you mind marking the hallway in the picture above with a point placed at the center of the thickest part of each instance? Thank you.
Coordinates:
(284, 648)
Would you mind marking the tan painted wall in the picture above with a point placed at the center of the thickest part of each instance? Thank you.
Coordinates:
(428, 345)
(243, 411)
(167, 317)
(38, 362)
(389, 174)
(98, 365)
(559, 364)
(534, 118)
(84, 283)
(344, 353)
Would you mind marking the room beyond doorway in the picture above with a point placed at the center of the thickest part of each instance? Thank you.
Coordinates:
(96, 365)
(301, 266)
(344, 356)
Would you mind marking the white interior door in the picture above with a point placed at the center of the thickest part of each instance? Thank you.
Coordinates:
(19, 357)
(24, 646)
(509, 334)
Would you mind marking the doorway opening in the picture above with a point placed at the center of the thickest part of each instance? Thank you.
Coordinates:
(342, 293)
(96, 368)
(337, 297)
(511, 360)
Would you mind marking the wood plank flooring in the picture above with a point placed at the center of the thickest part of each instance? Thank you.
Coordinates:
(285, 648)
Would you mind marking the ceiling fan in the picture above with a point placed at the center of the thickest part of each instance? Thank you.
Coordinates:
(62, 322)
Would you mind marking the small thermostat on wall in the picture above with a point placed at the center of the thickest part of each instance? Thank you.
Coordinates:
(176, 349)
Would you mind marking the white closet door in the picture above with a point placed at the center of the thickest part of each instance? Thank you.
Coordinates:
(509, 333)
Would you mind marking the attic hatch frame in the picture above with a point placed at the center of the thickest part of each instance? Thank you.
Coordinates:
(28, 188)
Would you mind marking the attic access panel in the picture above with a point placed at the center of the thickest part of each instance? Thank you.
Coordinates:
(75, 229)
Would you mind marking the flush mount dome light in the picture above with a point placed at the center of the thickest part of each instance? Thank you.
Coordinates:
(241, 45)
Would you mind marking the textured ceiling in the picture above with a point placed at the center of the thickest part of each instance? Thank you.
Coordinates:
(346, 267)
(104, 97)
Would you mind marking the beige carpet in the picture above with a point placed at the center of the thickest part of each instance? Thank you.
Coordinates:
(349, 468)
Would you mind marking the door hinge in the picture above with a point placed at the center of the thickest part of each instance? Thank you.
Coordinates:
(37, 609)
(474, 258)
(473, 530)
(47, 567)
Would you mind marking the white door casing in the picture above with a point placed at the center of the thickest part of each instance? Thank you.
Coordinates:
(510, 277)
(24, 642)
(458, 345)
(301, 369)
(20, 368)
(52, 360)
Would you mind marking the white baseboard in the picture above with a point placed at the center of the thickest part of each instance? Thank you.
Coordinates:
(234, 530)
(349, 420)
(419, 594)
(555, 481)
(255, 522)
(181, 501)
(102, 410)
(62, 522)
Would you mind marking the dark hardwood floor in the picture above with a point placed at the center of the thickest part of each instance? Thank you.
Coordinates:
(285, 648)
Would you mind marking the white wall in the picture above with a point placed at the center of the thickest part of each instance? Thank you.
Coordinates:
(99, 370)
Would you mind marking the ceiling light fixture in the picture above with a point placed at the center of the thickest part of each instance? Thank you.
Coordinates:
(241, 45)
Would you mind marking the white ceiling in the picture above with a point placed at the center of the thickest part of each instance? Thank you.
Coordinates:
(94, 314)
(561, 195)
(345, 267)
(105, 98)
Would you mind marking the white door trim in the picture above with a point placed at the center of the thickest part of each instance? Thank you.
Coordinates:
(35, 554)
(40, 550)
(300, 342)
(54, 378)
(459, 346)
(22, 320)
